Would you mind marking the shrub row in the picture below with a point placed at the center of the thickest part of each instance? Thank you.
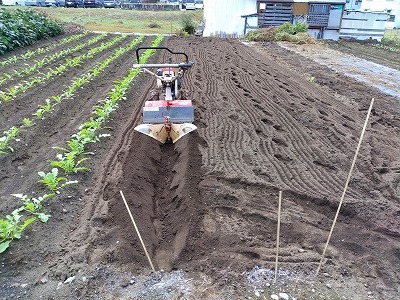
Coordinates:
(22, 27)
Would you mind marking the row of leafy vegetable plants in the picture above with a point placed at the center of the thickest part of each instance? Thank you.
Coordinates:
(388, 47)
(29, 69)
(12, 92)
(51, 102)
(12, 226)
(22, 27)
(41, 50)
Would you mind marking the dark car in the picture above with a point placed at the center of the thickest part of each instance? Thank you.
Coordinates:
(112, 3)
(92, 3)
(35, 3)
(73, 3)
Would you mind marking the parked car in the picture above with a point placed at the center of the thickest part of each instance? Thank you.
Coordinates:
(112, 3)
(73, 3)
(92, 3)
(199, 4)
(190, 4)
(51, 3)
(35, 3)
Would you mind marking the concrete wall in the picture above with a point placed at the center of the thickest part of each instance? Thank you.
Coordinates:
(223, 17)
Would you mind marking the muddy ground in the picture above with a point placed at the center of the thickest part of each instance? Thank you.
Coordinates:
(268, 119)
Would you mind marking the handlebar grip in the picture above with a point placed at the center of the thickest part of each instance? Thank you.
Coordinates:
(186, 58)
(181, 65)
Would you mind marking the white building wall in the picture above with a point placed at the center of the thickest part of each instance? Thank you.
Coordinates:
(224, 16)
(384, 5)
(363, 25)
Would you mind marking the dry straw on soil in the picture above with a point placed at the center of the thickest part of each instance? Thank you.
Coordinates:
(270, 34)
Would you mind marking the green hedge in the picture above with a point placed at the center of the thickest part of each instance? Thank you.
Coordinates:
(23, 27)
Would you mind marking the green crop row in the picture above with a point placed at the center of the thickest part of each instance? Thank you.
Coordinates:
(29, 69)
(388, 48)
(12, 92)
(12, 226)
(23, 27)
(32, 53)
(47, 107)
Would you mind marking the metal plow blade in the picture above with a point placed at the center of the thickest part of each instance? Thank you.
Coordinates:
(163, 134)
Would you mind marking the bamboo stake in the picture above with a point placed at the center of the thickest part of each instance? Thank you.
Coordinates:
(137, 230)
(277, 235)
(347, 184)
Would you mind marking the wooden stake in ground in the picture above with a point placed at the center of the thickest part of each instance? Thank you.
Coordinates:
(137, 230)
(347, 183)
(277, 235)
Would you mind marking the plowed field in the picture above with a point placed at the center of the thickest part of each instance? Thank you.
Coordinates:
(207, 205)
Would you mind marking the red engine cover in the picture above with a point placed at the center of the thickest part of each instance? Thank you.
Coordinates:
(172, 103)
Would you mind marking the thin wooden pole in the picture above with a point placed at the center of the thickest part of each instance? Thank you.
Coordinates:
(137, 230)
(277, 235)
(347, 183)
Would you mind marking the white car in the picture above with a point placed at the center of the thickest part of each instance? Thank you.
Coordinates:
(199, 4)
(190, 4)
(51, 3)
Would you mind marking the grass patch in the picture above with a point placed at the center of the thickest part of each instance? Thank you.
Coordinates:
(122, 20)
(391, 38)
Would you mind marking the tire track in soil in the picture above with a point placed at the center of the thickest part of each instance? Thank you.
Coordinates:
(274, 152)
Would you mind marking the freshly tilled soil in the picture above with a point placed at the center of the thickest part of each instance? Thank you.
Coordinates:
(207, 205)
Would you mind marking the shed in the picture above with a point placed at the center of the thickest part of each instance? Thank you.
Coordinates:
(322, 16)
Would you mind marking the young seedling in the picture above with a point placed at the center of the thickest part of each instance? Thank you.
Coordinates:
(45, 108)
(57, 99)
(27, 122)
(311, 79)
(34, 205)
(5, 96)
(68, 164)
(92, 123)
(51, 179)
(76, 146)
(4, 140)
(88, 135)
(11, 229)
